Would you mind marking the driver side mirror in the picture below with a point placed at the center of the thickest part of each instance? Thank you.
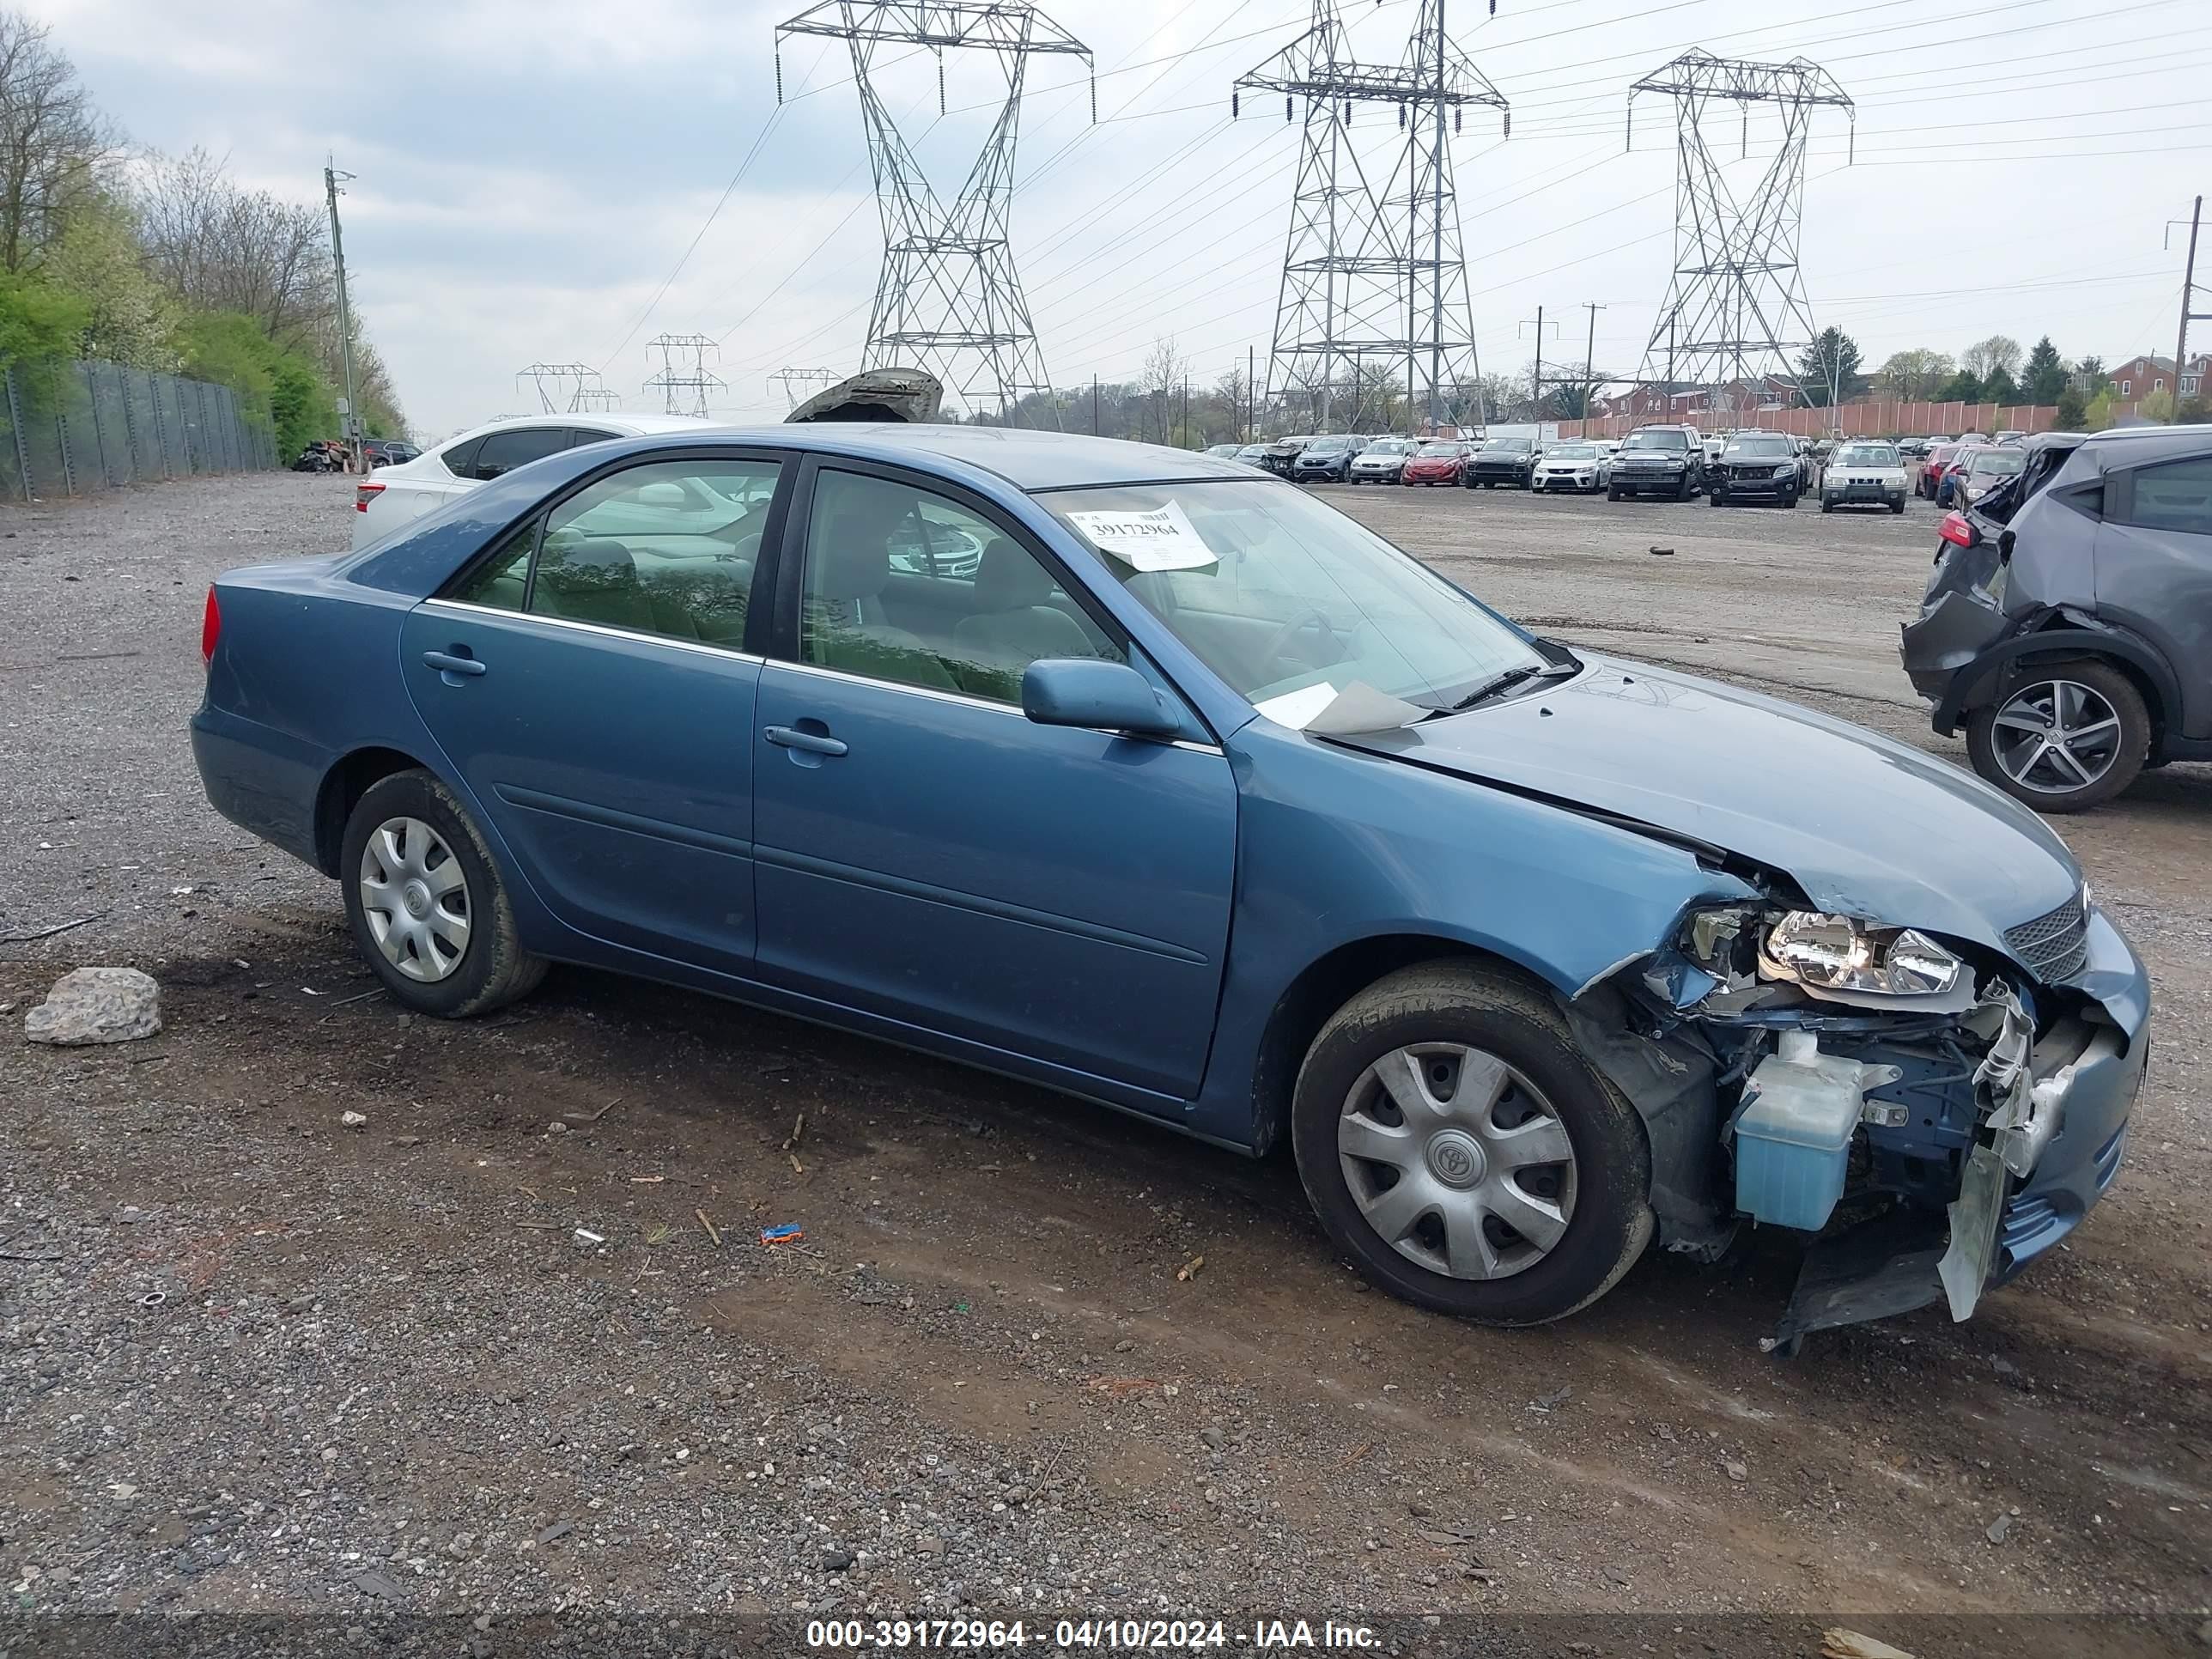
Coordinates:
(1110, 697)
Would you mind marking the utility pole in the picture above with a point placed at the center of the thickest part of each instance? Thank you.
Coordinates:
(1094, 405)
(331, 177)
(1251, 396)
(2188, 298)
(1589, 363)
(1536, 381)
(1186, 410)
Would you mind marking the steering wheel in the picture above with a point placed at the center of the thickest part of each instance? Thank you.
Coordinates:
(1303, 622)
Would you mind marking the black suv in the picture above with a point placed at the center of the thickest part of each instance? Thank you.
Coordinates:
(1501, 461)
(1659, 460)
(2067, 621)
(1756, 466)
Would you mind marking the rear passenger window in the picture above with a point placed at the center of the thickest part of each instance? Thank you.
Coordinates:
(502, 579)
(903, 585)
(2177, 496)
(461, 459)
(667, 548)
(504, 451)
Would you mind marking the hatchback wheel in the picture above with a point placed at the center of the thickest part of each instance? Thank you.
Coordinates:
(2067, 736)
(427, 906)
(1461, 1151)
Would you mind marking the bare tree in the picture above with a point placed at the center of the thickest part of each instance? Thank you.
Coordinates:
(56, 149)
(1915, 375)
(226, 249)
(1165, 369)
(1985, 357)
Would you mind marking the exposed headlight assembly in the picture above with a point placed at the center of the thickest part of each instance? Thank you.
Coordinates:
(1842, 953)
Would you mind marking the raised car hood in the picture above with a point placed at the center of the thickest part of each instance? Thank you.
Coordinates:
(1866, 826)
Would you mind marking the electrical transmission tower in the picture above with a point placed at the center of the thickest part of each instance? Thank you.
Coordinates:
(1374, 277)
(1736, 315)
(560, 386)
(600, 398)
(682, 369)
(796, 383)
(948, 299)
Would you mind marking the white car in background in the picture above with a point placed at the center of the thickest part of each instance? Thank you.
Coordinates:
(1580, 466)
(382, 503)
(1382, 461)
(1861, 474)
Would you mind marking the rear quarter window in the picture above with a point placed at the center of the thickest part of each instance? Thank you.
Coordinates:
(461, 459)
(2172, 496)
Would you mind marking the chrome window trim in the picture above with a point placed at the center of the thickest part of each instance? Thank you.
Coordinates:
(723, 652)
(995, 706)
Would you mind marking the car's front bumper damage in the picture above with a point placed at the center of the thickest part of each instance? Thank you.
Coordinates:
(1986, 1126)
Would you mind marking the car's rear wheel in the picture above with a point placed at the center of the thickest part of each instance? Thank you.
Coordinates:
(426, 905)
(1464, 1154)
(2066, 737)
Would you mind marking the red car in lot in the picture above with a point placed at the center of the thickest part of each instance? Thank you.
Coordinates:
(1438, 463)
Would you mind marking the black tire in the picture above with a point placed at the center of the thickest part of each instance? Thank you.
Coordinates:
(1611, 494)
(1689, 487)
(493, 969)
(1716, 498)
(1515, 1020)
(2108, 682)
(1898, 506)
(1787, 503)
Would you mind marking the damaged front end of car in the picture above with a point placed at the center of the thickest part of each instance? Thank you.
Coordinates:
(1932, 1112)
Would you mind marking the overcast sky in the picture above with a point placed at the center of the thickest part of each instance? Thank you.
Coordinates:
(530, 172)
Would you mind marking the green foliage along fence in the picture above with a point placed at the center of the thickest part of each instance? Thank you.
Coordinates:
(72, 427)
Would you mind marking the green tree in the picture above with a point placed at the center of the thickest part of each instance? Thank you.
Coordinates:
(228, 348)
(2098, 415)
(2000, 387)
(130, 315)
(2159, 406)
(38, 319)
(2073, 410)
(2089, 375)
(1964, 387)
(2044, 375)
(1828, 369)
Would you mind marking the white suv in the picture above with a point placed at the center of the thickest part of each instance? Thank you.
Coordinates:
(382, 503)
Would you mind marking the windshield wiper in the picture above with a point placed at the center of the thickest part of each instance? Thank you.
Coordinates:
(1506, 681)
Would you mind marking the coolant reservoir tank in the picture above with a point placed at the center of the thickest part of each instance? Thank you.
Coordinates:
(1793, 1135)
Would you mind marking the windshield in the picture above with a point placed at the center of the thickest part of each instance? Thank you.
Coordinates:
(1989, 461)
(1389, 447)
(1442, 451)
(1572, 453)
(1328, 445)
(1508, 445)
(1276, 591)
(1868, 455)
(1663, 439)
(1762, 449)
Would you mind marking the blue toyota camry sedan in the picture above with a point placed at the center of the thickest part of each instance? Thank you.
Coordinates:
(1126, 771)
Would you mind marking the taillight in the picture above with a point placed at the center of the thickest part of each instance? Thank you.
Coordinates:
(210, 628)
(362, 493)
(1957, 529)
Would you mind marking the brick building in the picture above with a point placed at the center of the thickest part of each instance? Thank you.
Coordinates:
(2140, 376)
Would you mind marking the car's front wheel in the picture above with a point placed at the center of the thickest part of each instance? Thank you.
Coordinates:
(427, 906)
(2067, 736)
(1458, 1147)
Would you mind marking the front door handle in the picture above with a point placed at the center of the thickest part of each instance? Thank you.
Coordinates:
(446, 663)
(785, 737)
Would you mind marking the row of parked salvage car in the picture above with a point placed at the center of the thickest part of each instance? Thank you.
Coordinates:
(1672, 460)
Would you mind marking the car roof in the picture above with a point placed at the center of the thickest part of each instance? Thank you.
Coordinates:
(1028, 459)
(629, 424)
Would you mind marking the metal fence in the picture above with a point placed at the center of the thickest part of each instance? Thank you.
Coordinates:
(73, 427)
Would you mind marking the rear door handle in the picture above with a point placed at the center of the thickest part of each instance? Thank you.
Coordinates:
(785, 737)
(446, 663)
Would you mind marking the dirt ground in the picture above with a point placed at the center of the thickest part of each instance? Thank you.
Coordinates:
(512, 1343)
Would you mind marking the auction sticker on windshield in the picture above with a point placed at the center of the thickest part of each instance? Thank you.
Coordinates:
(1162, 539)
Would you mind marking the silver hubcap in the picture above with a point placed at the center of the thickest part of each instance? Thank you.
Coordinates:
(1457, 1161)
(415, 899)
(2055, 736)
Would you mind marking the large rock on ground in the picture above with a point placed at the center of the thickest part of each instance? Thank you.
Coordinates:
(96, 1004)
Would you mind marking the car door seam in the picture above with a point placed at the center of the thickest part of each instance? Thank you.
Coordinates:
(612, 818)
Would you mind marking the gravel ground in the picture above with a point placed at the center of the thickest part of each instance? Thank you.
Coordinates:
(259, 1359)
